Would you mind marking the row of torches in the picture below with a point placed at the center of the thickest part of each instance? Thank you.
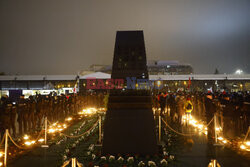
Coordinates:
(56, 127)
(243, 145)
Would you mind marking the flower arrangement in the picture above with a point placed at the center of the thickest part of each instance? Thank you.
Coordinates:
(171, 157)
(93, 156)
(141, 164)
(151, 164)
(103, 158)
(164, 163)
(120, 160)
(111, 158)
(130, 160)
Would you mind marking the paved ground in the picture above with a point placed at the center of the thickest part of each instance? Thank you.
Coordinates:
(51, 157)
(201, 154)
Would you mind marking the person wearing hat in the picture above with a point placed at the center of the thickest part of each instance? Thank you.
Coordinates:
(188, 108)
(21, 110)
(32, 112)
(5, 113)
(162, 101)
(209, 112)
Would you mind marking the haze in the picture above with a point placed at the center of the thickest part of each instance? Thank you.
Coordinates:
(66, 36)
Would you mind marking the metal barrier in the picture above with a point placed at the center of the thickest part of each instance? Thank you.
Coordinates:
(74, 163)
(213, 163)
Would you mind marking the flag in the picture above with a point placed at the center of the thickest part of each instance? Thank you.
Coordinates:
(189, 82)
(74, 90)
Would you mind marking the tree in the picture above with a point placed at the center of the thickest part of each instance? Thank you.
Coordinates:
(216, 71)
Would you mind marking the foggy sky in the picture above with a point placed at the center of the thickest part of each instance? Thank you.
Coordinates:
(66, 36)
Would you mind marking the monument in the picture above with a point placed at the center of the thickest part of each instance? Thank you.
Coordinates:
(129, 125)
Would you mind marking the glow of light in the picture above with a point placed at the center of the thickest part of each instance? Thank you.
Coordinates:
(242, 147)
(32, 142)
(41, 140)
(1, 154)
(88, 111)
(220, 138)
(27, 143)
(205, 132)
(69, 119)
(200, 126)
(224, 141)
(52, 130)
(1, 164)
(248, 143)
(205, 128)
(217, 129)
(26, 137)
(239, 71)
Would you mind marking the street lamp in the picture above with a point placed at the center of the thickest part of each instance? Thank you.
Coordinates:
(239, 71)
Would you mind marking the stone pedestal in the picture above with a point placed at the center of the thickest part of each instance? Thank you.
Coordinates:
(129, 124)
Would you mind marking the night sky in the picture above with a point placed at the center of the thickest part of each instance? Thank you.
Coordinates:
(66, 36)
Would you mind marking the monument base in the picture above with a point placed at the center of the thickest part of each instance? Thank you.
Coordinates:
(129, 126)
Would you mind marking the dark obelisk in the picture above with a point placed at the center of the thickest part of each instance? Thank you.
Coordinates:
(129, 124)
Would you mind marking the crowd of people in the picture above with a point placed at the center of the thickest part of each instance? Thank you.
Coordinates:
(232, 109)
(28, 113)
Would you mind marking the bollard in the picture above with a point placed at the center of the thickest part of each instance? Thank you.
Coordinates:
(45, 133)
(6, 147)
(247, 134)
(73, 162)
(159, 128)
(46, 127)
(100, 129)
(214, 163)
(215, 125)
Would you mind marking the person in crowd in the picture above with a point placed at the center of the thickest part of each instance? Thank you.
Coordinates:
(188, 107)
(22, 114)
(209, 112)
(162, 102)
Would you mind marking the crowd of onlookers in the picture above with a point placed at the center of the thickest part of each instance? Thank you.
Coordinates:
(232, 109)
(27, 114)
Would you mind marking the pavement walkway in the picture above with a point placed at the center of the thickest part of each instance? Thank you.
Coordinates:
(200, 154)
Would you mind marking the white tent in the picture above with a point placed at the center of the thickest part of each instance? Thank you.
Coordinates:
(97, 75)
